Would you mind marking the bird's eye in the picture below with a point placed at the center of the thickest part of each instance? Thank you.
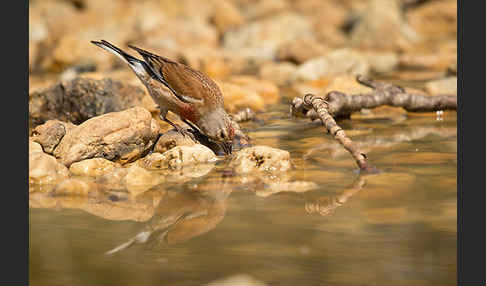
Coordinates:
(223, 135)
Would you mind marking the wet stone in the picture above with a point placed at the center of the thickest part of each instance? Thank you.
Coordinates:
(171, 139)
(138, 180)
(92, 167)
(74, 187)
(261, 158)
(44, 168)
(178, 157)
(295, 186)
(237, 280)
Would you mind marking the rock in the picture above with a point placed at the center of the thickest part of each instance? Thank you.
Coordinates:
(34, 146)
(261, 158)
(237, 97)
(301, 51)
(245, 91)
(115, 21)
(189, 172)
(50, 134)
(429, 61)
(381, 62)
(262, 38)
(225, 15)
(327, 18)
(279, 73)
(44, 168)
(92, 167)
(171, 139)
(255, 10)
(346, 84)
(46, 24)
(179, 157)
(313, 86)
(74, 187)
(338, 62)
(452, 69)
(265, 89)
(111, 208)
(178, 32)
(381, 26)
(442, 86)
(295, 186)
(216, 63)
(237, 280)
(117, 136)
(138, 180)
(113, 180)
(80, 99)
(435, 19)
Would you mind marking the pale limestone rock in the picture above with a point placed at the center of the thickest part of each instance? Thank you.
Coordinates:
(171, 139)
(442, 86)
(279, 73)
(74, 187)
(92, 167)
(44, 168)
(295, 186)
(179, 157)
(138, 180)
(118, 136)
(261, 158)
(262, 38)
(50, 134)
(338, 62)
(237, 280)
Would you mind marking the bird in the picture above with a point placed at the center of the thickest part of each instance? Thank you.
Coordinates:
(176, 87)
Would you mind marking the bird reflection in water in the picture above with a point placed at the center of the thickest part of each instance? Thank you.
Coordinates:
(183, 215)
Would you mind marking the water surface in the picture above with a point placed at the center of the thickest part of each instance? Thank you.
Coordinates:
(395, 228)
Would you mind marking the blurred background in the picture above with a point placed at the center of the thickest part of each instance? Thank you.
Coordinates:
(282, 41)
(398, 228)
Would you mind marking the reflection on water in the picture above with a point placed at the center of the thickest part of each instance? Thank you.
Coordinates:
(318, 224)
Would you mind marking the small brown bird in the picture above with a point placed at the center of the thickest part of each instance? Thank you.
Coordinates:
(175, 87)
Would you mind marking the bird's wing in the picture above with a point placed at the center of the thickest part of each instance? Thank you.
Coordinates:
(138, 66)
(191, 85)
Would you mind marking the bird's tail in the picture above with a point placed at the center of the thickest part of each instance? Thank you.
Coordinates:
(139, 238)
(138, 66)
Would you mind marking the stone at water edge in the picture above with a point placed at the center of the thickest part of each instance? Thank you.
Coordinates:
(118, 136)
(171, 139)
(138, 180)
(93, 167)
(261, 158)
(44, 168)
(179, 157)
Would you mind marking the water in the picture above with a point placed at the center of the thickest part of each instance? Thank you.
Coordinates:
(395, 228)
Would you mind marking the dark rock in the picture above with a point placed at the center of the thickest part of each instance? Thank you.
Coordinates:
(80, 99)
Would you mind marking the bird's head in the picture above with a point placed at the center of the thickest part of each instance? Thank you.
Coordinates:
(219, 128)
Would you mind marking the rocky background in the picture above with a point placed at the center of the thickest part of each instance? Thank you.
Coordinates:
(250, 47)
(87, 107)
